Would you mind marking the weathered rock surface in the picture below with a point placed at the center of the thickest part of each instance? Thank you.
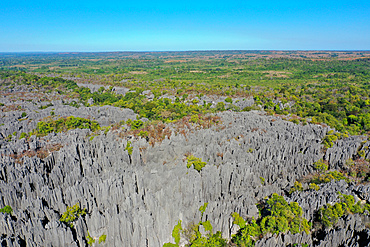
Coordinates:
(135, 200)
(13, 121)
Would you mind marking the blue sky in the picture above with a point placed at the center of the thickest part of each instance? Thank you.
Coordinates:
(35, 25)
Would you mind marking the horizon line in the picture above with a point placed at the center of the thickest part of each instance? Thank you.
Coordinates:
(162, 51)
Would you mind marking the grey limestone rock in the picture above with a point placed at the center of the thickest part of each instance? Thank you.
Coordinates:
(136, 199)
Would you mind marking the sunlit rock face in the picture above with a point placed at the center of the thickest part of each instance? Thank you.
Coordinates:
(136, 198)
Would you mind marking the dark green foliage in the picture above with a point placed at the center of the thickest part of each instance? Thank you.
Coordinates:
(197, 163)
(24, 114)
(6, 210)
(72, 214)
(65, 124)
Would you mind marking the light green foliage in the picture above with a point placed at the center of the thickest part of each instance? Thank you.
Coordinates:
(143, 134)
(321, 165)
(349, 163)
(262, 180)
(297, 187)
(23, 135)
(220, 106)
(228, 100)
(329, 140)
(314, 186)
(279, 216)
(238, 220)
(194, 237)
(137, 124)
(197, 163)
(194, 119)
(170, 245)
(203, 208)
(329, 214)
(89, 239)
(72, 214)
(129, 148)
(250, 150)
(207, 226)
(361, 153)
(102, 238)
(24, 114)
(331, 137)
(176, 232)
(6, 210)
(65, 124)
(212, 240)
(329, 176)
(294, 120)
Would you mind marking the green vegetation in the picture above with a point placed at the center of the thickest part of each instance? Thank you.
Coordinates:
(72, 214)
(297, 187)
(89, 239)
(331, 137)
(331, 90)
(314, 186)
(277, 216)
(229, 100)
(64, 124)
(6, 210)
(194, 237)
(23, 135)
(330, 214)
(102, 238)
(197, 163)
(321, 165)
(176, 232)
(129, 148)
(329, 176)
(136, 124)
(357, 170)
